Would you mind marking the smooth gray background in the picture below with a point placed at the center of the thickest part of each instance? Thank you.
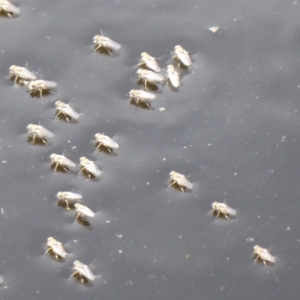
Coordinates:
(233, 128)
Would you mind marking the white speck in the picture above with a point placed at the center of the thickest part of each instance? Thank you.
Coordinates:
(214, 29)
(164, 159)
(4, 161)
(209, 145)
(250, 239)
(235, 174)
(162, 109)
(148, 183)
(120, 251)
(283, 138)
(107, 221)
(119, 236)
(288, 228)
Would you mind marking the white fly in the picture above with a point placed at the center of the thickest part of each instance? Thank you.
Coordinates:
(83, 211)
(39, 86)
(222, 209)
(180, 180)
(173, 76)
(62, 161)
(101, 41)
(149, 76)
(182, 55)
(68, 197)
(8, 8)
(56, 247)
(90, 167)
(106, 141)
(150, 62)
(141, 96)
(83, 271)
(39, 132)
(67, 111)
(263, 254)
(22, 73)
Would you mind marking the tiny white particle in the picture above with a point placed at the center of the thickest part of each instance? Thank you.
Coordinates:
(288, 228)
(120, 251)
(4, 161)
(214, 29)
(162, 109)
(119, 236)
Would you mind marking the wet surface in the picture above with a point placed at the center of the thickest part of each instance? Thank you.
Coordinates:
(233, 128)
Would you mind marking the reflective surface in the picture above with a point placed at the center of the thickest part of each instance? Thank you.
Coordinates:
(232, 128)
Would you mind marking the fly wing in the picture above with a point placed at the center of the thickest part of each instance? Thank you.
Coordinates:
(28, 75)
(112, 44)
(10, 8)
(267, 256)
(72, 196)
(92, 168)
(185, 58)
(86, 271)
(50, 84)
(153, 65)
(111, 143)
(183, 181)
(174, 79)
(59, 249)
(230, 211)
(68, 162)
(146, 95)
(67, 109)
(45, 132)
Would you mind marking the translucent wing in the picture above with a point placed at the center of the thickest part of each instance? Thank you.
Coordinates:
(69, 196)
(67, 109)
(45, 132)
(112, 44)
(9, 7)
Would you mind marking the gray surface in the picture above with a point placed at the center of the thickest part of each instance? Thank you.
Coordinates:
(233, 127)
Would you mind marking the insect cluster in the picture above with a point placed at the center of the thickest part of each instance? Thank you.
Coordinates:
(149, 74)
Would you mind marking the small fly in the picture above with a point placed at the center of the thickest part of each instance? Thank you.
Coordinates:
(182, 55)
(179, 180)
(21, 73)
(89, 167)
(83, 272)
(56, 248)
(83, 211)
(223, 210)
(8, 8)
(264, 255)
(38, 132)
(150, 62)
(173, 76)
(39, 86)
(108, 44)
(68, 197)
(61, 161)
(66, 111)
(105, 141)
(140, 96)
(149, 76)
